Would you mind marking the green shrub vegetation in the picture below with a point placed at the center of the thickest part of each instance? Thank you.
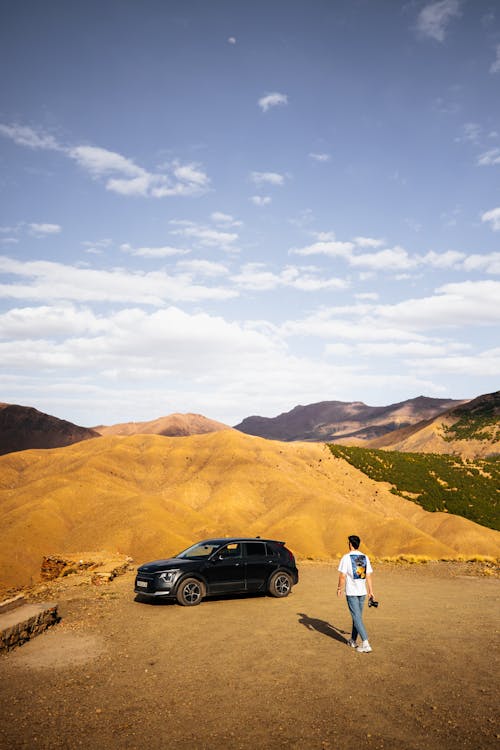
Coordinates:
(472, 427)
(477, 420)
(468, 488)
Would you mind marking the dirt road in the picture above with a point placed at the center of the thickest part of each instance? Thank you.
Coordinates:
(260, 673)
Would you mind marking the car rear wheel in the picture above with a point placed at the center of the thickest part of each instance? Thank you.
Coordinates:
(280, 584)
(190, 592)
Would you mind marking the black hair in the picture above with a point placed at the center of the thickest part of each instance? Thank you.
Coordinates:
(354, 540)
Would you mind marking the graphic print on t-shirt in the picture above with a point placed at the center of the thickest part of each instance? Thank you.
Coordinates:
(358, 566)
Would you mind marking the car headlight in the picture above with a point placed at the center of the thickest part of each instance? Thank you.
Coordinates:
(168, 576)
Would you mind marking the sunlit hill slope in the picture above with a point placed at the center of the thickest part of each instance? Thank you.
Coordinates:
(471, 430)
(173, 425)
(149, 496)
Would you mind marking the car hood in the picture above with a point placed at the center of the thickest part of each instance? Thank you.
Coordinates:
(158, 565)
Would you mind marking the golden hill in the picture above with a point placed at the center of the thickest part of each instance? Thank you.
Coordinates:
(174, 425)
(150, 496)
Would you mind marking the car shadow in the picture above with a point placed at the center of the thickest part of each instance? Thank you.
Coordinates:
(161, 601)
(154, 602)
(323, 627)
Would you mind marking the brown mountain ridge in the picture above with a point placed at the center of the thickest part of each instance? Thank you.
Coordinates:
(334, 421)
(22, 428)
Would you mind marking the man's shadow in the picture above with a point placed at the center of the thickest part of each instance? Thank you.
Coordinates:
(322, 626)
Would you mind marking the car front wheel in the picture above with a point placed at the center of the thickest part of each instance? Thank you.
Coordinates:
(190, 592)
(280, 584)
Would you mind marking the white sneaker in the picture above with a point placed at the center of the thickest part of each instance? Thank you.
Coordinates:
(365, 648)
(351, 643)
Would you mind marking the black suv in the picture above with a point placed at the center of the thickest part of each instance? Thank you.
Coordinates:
(220, 566)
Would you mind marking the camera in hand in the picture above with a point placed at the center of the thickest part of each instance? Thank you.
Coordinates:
(372, 602)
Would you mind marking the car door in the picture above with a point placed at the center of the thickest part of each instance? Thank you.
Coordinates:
(225, 571)
(259, 565)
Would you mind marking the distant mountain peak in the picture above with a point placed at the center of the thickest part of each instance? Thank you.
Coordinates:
(326, 421)
(24, 427)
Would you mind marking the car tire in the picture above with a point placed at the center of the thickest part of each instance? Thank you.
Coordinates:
(280, 584)
(190, 592)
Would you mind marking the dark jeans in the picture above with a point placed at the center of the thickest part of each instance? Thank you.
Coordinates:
(356, 604)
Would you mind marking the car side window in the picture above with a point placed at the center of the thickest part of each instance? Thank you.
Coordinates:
(230, 551)
(255, 549)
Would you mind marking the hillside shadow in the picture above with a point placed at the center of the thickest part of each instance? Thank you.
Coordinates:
(323, 627)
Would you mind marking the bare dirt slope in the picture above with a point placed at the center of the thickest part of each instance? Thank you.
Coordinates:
(263, 673)
(149, 496)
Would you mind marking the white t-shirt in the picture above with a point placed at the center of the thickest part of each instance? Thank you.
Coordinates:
(355, 566)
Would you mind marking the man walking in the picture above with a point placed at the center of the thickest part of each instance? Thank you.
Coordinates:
(355, 577)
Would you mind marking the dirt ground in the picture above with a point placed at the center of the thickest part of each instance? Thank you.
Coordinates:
(258, 673)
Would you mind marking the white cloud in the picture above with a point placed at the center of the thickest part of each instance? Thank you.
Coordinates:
(471, 133)
(269, 178)
(45, 230)
(489, 263)
(100, 162)
(448, 259)
(169, 343)
(464, 303)
(395, 349)
(261, 200)
(225, 220)
(48, 322)
(350, 322)
(97, 247)
(321, 157)
(231, 40)
(493, 218)
(49, 281)
(495, 65)
(206, 236)
(153, 252)
(332, 248)
(26, 136)
(190, 174)
(452, 306)
(203, 268)
(274, 99)
(397, 259)
(489, 158)
(434, 18)
(256, 277)
(368, 242)
(121, 174)
(481, 364)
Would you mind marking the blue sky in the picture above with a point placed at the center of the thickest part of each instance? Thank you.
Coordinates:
(232, 208)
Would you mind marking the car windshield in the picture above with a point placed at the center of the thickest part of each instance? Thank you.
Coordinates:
(202, 549)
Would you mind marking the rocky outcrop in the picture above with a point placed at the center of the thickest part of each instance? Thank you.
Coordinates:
(97, 567)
